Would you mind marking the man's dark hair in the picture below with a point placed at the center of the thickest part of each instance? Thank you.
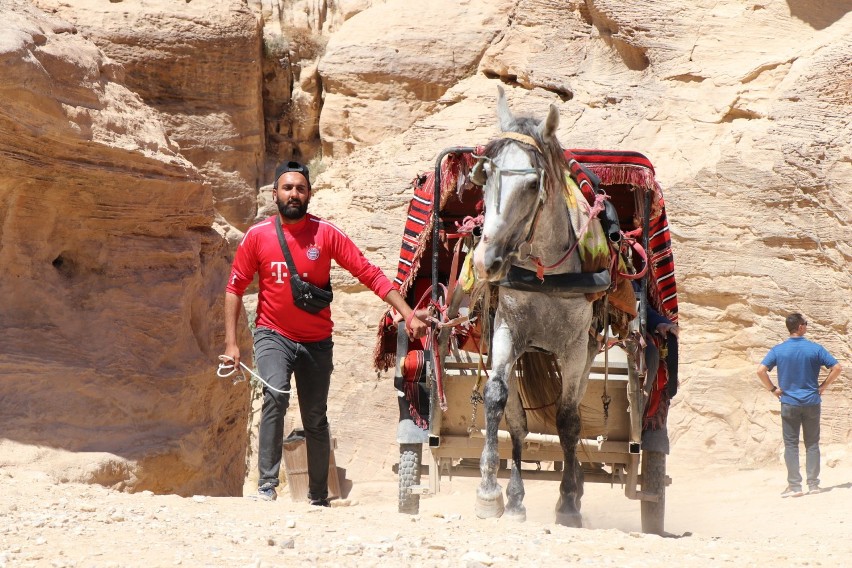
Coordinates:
(291, 166)
(793, 322)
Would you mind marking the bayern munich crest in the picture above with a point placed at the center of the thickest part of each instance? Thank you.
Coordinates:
(313, 252)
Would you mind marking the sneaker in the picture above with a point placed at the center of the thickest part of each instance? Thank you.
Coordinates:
(792, 492)
(814, 489)
(322, 502)
(266, 492)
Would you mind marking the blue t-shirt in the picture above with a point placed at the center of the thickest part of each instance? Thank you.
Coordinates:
(798, 361)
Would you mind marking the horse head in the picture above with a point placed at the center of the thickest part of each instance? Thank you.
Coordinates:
(518, 169)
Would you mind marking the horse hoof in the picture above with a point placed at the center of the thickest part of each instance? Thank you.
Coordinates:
(569, 520)
(489, 507)
(517, 515)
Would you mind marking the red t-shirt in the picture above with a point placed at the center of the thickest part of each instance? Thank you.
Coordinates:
(313, 244)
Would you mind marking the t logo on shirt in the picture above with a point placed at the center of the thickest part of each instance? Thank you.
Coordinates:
(278, 271)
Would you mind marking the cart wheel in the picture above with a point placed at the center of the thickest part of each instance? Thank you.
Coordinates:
(410, 456)
(654, 481)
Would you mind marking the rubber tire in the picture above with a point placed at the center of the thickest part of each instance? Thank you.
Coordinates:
(410, 457)
(654, 481)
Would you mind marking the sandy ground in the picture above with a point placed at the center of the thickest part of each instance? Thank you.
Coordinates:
(717, 517)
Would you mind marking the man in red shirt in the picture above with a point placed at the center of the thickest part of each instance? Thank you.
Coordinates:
(288, 340)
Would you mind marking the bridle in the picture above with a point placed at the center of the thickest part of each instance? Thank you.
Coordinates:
(525, 248)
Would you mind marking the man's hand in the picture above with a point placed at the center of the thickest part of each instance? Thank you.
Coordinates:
(666, 328)
(233, 353)
(416, 327)
(833, 373)
(414, 324)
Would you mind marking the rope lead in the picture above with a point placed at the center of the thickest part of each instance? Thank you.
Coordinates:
(231, 369)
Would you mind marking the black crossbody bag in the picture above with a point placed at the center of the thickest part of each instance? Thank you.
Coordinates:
(306, 296)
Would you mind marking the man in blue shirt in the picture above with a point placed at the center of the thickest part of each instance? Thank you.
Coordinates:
(799, 390)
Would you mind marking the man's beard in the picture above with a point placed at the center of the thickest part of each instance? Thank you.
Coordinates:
(293, 210)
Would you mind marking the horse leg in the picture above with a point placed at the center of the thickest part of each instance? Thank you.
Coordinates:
(571, 488)
(516, 419)
(568, 426)
(489, 498)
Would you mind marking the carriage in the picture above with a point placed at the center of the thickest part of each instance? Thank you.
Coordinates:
(440, 380)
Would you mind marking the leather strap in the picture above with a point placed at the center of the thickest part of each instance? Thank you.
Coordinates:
(555, 284)
(523, 138)
(291, 266)
(454, 269)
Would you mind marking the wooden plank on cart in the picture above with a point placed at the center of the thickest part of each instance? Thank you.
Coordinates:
(545, 451)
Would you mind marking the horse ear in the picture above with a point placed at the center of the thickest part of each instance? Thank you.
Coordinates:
(548, 126)
(504, 115)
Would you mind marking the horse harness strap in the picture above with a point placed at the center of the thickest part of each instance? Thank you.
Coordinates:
(518, 137)
(476, 397)
(570, 283)
(542, 194)
(605, 398)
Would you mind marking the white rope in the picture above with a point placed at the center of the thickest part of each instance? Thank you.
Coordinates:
(230, 368)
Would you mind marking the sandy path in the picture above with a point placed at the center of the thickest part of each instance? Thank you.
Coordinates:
(729, 517)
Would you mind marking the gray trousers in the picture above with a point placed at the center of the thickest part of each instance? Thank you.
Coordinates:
(806, 419)
(279, 358)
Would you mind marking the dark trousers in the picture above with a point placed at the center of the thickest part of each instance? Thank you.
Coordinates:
(806, 420)
(279, 358)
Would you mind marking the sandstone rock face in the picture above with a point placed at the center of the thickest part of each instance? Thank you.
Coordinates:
(386, 66)
(743, 107)
(199, 64)
(295, 34)
(111, 280)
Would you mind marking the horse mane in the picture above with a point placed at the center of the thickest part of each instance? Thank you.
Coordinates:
(551, 158)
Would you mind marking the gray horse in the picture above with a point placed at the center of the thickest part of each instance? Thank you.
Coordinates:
(527, 230)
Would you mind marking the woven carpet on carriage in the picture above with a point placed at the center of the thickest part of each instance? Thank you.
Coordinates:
(416, 236)
(612, 167)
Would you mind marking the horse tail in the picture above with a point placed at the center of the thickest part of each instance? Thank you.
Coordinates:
(540, 386)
